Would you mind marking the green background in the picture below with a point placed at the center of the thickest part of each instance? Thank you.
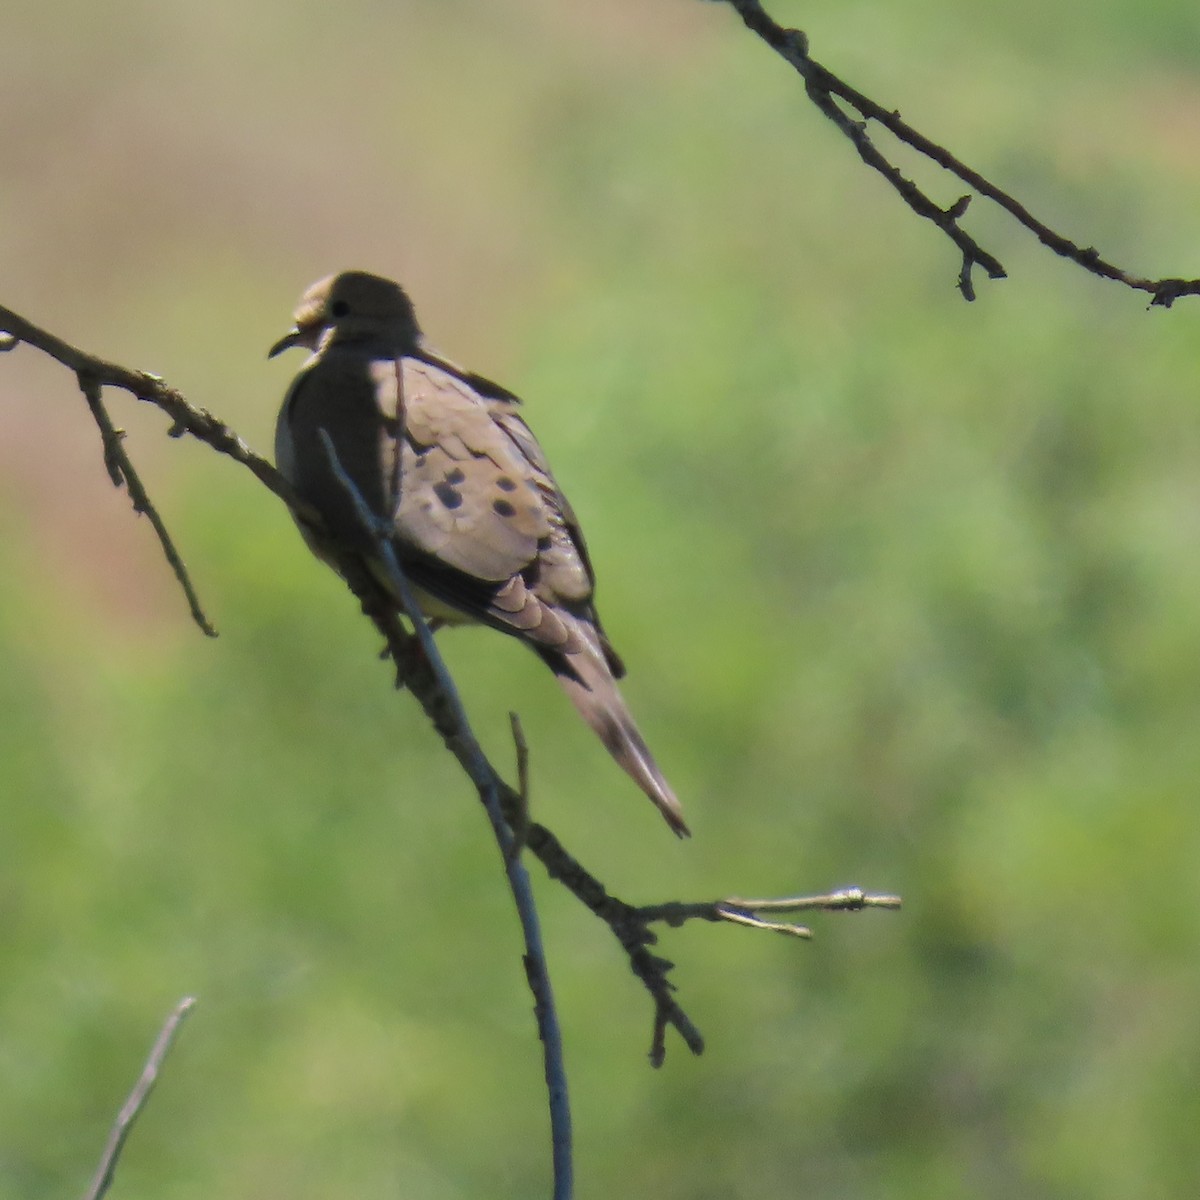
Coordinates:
(907, 587)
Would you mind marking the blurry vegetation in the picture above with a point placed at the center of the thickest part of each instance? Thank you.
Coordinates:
(907, 589)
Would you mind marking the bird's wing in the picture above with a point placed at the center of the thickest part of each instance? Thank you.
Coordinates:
(479, 518)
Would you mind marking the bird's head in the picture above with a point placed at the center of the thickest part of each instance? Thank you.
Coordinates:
(353, 306)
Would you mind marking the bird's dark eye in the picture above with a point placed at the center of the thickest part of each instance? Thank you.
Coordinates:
(339, 308)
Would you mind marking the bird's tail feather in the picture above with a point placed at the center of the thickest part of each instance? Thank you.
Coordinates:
(586, 678)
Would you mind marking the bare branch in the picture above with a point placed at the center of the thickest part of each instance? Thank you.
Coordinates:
(185, 418)
(822, 86)
(488, 783)
(121, 471)
(428, 679)
(747, 912)
(94, 374)
(520, 819)
(133, 1106)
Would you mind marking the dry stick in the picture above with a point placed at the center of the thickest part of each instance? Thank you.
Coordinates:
(121, 471)
(627, 923)
(631, 926)
(185, 418)
(822, 86)
(484, 777)
(92, 374)
(519, 822)
(137, 1100)
(737, 911)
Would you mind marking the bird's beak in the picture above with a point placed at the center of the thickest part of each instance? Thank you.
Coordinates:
(294, 337)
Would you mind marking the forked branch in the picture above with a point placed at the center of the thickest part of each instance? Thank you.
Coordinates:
(851, 111)
(420, 669)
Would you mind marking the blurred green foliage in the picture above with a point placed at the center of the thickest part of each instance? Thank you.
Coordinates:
(908, 589)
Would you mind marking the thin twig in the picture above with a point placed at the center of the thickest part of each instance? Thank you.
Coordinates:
(519, 821)
(133, 1106)
(822, 86)
(630, 929)
(851, 899)
(121, 471)
(93, 373)
(747, 912)
(185, 418)
(485, 779)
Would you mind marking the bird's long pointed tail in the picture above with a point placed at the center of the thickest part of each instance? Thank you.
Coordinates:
(586, 678)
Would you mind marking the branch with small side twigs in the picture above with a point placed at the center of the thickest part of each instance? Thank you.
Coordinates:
(826, 90)
(416, 672)
(133, 1106)
(486, 780)
(93, 374)
(121, 471)
(185, 417)
(420, 669)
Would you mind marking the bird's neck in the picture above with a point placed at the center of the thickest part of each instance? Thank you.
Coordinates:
(373, 340)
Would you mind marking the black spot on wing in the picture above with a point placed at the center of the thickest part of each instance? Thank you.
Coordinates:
(450, 496)
(503, 508)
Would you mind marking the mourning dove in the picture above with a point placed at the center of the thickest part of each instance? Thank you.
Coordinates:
(482, 530)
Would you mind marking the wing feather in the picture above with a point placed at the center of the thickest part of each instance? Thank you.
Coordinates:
(479, 518)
